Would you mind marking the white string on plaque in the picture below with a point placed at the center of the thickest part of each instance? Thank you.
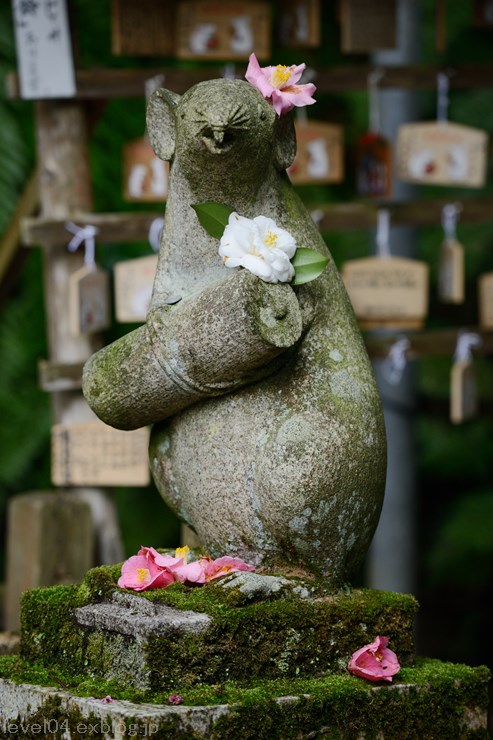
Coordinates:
(89, 293)
(396, 361)
(387, 291)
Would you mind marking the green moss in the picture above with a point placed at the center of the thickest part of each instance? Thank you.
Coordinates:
(283, 636)
(429, 699)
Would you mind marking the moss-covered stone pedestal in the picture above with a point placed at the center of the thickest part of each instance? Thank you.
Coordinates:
(250, 656)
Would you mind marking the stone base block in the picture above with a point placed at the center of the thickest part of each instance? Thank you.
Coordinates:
(432, 700)
(243, 627)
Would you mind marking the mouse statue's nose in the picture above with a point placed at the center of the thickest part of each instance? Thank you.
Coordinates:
(217, 139)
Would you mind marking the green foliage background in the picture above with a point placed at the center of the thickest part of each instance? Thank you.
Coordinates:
(455, 497)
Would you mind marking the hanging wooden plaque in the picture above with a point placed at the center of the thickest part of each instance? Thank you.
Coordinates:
(144, 28)
(486, 300)
(367, 25)
(387, 292)
(299, 24)
(373, 166)
(442, 154)
(145, 176)
(134, 280)
(463, 392)
(319, 154)
(212, 30)
(94, 454)
(451, 272)
(89, 301)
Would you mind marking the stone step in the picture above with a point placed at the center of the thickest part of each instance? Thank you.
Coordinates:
(437, 700)
(245, 626)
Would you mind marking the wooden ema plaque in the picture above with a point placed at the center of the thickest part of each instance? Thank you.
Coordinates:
(214, 30)
(373, 166)
(94, 454)
(451, 272)
(299, 25)
(145, 176)
(367, 25)
(442, 154)
(319, 153)
(144, 28)
(89, 301)
(389, 292)
(134, 280)
(486, 300)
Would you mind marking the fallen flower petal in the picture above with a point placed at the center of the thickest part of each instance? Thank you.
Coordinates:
(223, 566)
(375, 662)
(107, 700)
(175, 699)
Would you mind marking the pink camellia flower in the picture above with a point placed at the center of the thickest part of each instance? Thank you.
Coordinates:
(222, 566)
(191, 572)
(375, 662)
(141, 573)
(175, 699)
(278, 84)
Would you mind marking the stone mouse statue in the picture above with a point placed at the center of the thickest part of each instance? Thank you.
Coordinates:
(268, 437)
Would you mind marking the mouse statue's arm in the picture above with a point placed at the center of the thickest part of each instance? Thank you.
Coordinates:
(210, 344)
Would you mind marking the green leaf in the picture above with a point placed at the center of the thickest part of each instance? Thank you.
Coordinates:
(213, 217)
(308, 265)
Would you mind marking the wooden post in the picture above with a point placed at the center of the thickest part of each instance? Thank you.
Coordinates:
(65, 189)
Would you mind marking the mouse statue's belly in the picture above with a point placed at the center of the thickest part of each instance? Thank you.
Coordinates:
(288, 469)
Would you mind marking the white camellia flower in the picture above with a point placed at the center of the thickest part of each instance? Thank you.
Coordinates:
(259, 246)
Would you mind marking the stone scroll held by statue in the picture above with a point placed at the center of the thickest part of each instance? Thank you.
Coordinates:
(267, 437)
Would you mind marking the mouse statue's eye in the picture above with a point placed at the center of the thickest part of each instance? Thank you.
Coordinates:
(262, 114)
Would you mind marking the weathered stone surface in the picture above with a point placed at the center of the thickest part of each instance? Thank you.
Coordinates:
(9, 643)
(449, 708)
(131, 619)
(50, 541)
(270, 446)
(243, 627)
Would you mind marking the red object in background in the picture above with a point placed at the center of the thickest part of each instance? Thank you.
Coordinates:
(373, 166)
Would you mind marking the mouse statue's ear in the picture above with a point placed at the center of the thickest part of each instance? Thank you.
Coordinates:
(161, 122)
(284, 141)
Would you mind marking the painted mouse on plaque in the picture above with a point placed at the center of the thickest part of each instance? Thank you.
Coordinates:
(268, 437)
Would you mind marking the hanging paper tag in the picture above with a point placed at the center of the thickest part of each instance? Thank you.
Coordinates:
(299, 25)
(319, 153)
(486, 300)
(89, 300)
(463, 392)
(212, 30)
(451, 272)
(390, 292)
(142, 28)
(145, 176)
(44, 49)
(94, 454)
(134, 280)
(439, 153)
(373, 166)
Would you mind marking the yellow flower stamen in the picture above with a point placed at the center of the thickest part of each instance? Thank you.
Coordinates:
(182, 552)
(270, 239)
(142, 575)
(280, 76)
